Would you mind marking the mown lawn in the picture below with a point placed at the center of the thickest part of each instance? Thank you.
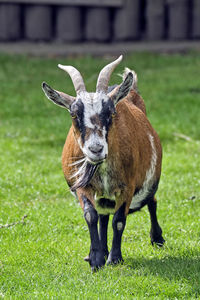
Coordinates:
(43, 258)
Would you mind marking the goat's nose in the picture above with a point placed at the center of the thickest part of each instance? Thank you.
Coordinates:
(96, 149)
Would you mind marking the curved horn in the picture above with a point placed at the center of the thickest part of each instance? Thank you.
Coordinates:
(104, 75)
(76, 77)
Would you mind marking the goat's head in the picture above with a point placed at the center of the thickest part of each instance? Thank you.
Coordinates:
(92, 113)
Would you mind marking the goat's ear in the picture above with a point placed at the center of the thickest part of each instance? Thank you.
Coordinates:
(124, 88)
(57, 97)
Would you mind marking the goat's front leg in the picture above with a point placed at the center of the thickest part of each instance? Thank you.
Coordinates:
(96, 256)
(118, 224)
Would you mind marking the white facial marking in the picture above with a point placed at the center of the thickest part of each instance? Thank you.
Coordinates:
(149, 178)
(96, 139)
(119, 226)
(93, 140)
(92, 106)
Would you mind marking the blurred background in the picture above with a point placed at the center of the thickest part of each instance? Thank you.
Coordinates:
(43, 234)
(99, 21)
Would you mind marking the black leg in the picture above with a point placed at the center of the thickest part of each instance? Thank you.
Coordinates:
(156, 231)
(96, 256)
(103, 227)
(119, 222)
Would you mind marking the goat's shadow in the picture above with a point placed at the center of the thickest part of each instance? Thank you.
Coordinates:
(170, 267)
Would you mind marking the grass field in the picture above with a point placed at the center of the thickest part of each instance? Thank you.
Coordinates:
(43, 258)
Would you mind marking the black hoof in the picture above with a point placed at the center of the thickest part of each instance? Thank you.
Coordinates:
(159, 241)
(96, 268)
(114, 259)
(96, 260)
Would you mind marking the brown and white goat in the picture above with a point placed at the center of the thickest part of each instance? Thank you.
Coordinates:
(111, 158)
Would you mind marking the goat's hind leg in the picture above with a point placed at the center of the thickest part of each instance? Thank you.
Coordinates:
(156, 231)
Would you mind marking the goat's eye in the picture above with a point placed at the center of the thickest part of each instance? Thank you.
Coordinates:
(113, 114)
(73, 114)
(74, 110)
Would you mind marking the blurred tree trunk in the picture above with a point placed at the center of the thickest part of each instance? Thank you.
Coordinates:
(178, 19)
(155, 15)
(196, 19)
(10, 22)
(38, 22)
(98, 26)
(68, 24)
(127, 21)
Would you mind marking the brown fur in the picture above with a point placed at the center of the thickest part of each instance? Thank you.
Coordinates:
(129, 153)
(137, 100)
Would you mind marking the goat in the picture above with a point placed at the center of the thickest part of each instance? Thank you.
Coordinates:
(111, 158)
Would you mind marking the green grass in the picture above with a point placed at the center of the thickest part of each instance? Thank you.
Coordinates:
(43, 258)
